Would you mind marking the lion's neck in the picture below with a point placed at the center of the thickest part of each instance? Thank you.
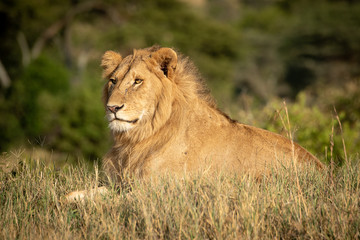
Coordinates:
(135, 147)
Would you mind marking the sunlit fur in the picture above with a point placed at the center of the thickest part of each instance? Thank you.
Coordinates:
(179, 129)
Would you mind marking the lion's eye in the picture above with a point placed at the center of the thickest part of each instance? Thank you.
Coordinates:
(113, 80)
(138, 81)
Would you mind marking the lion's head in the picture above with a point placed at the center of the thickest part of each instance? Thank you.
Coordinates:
(136, 85)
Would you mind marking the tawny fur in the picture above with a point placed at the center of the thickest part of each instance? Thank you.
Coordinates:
(170, 123)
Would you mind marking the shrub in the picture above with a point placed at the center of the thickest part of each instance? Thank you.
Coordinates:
(78, 123)
(316, 129)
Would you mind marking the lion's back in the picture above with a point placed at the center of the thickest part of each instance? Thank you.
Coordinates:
(232, 147)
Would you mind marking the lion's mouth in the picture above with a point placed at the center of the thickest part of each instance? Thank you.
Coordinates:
(123, 120)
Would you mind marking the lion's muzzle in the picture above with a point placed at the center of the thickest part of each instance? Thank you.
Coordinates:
(115, 108)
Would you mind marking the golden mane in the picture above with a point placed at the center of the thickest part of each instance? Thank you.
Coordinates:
(188, 79)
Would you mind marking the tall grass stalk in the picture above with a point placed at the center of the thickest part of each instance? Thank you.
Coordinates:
(287, 126)
(342, 136)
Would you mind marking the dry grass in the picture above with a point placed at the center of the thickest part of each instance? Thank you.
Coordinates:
(194, 207)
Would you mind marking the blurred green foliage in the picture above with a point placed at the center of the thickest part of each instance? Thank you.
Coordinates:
(252, 53)
(23, 114)
(316, 130)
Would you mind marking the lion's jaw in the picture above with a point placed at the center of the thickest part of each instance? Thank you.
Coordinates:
(120, 122)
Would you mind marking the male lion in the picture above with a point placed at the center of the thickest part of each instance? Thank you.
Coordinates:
(164, 120)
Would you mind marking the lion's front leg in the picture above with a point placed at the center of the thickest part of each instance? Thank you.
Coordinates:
(80, 196)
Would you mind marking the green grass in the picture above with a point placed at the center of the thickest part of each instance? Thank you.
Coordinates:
(324, 205)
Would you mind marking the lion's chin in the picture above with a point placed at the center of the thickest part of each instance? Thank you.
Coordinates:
(121, 126)
(118, 124)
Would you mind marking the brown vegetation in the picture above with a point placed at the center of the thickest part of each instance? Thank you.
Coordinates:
(325, 205)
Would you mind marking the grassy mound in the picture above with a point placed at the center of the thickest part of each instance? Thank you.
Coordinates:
(309, 204)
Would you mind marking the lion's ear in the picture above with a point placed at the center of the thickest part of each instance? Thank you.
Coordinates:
(167, 60)
(109, 62)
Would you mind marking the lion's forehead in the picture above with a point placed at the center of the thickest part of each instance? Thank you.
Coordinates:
(139, 55)
(133, 66)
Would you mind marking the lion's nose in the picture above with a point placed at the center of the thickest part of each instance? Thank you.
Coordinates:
(115, 108)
